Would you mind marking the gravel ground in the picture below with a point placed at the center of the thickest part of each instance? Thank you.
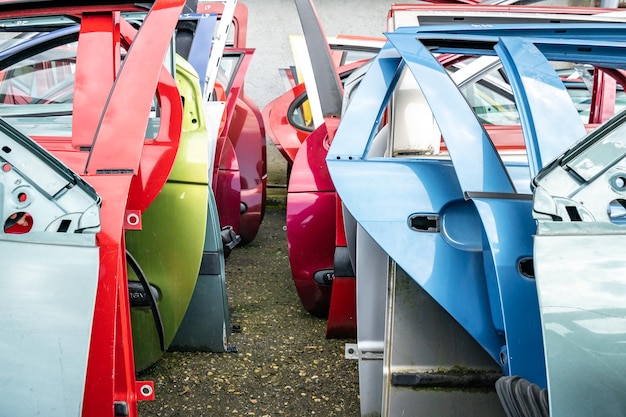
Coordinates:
(284, 364)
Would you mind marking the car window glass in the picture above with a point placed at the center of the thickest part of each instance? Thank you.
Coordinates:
(229, 63)
(491, 100)
(45, 78)
(36, 93)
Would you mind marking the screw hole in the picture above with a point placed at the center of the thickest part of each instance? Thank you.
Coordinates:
(146, 390)
(18, 223)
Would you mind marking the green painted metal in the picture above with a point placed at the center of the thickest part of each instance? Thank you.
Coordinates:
(170, 245)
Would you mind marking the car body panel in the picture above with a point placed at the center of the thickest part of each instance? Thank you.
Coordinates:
(61, 300)
(579, 275)
(247, 136)
(500, 200)
(276, 115)
(156, 247)
(155, 324)
(310, 212)
(110, 373)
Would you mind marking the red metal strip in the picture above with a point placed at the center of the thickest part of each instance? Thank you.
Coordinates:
(120, 138)
(98, 33)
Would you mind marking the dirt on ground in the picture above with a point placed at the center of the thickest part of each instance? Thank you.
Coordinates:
(284, 365)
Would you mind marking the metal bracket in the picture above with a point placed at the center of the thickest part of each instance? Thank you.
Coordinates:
(144, 390)
(352, 352)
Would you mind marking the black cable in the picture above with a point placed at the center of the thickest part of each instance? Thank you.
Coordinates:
(156, 314)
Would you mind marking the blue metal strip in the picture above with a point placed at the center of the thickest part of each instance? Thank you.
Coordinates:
(201, 46)
(596, 52)
(600, 31)
(508, 228)
(367, 106)
(476, 161)
(507, 223)
(524, 64)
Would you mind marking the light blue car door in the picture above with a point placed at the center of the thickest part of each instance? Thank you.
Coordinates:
(580, 270)
(405, 215)
(47, 307)
(578, 205)
(504, 213)
(406, 200)
(546, 131)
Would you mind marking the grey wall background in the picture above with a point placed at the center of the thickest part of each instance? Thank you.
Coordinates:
(270, 22)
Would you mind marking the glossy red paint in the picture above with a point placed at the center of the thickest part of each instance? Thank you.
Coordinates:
(90, 98)
(311, 237)
(245, 131)
(342, 310)
(311, 201)
(251, 153)
(342, 321)
(227, 183)
(603, 105)
(283, 134)
(126, 170)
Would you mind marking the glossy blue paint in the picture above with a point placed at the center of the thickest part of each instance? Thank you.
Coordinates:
(596, 31)
(510, 305)
(447, 264)
(505, 215)
(525, 65)
(201, 44)
(367, 106)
